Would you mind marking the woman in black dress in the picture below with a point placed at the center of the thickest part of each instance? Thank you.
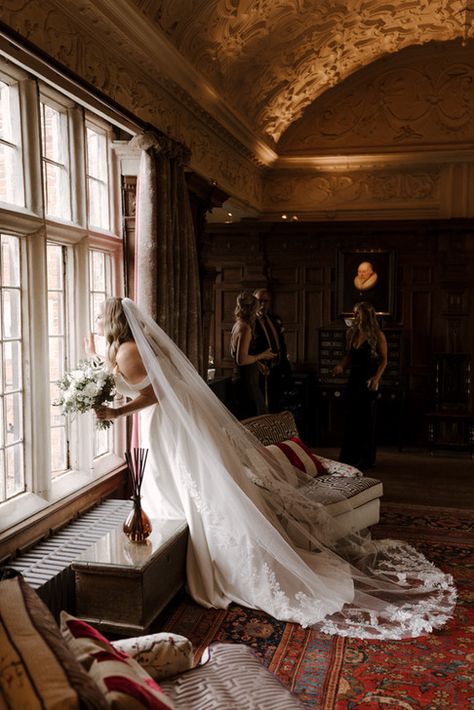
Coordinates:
(249, 397)
(367, 358)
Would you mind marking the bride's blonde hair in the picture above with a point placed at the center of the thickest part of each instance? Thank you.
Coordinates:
(116, 328)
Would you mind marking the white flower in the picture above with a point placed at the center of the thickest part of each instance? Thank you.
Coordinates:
(84, 388)
(91, 389)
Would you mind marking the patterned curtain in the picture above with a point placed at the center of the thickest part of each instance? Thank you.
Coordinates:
(166, 262)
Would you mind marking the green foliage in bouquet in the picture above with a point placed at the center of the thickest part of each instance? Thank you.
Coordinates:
(87, 387)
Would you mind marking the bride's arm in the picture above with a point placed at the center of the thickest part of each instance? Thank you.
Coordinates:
(131, 366)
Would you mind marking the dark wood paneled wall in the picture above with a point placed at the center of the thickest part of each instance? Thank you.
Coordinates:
(434, 288)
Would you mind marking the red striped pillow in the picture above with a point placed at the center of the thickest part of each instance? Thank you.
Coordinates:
(123, 682)
(299, 455)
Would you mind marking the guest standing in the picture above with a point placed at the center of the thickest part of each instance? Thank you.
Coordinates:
(248, 394)
(275, 374)
(367, 358)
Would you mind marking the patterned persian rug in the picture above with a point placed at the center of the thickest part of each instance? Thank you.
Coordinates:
(333, 673)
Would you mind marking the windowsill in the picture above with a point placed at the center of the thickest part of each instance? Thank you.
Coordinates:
(30, 517)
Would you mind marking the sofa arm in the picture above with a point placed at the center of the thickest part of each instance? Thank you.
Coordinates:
(272, 428)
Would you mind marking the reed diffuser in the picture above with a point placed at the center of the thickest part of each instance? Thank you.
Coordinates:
(137, 525)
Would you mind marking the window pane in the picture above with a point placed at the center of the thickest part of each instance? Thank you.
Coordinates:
(57, 417)
(58, 450)
(97, 178)
(14, 470)
(57, 332)
(51, 134)
(98, 204)
(56, 313)
(6, 132)
(3, 476)
(57, 191)
(10, 258)
(98, 271)
(11, 313)
(55, 267)
(12, 365)
(11, 170)
(11, 183)
(56, 359)
(2, 426)
(101, 442)
(96, 154)
(11, 374)
(13, 418)
(55, 150)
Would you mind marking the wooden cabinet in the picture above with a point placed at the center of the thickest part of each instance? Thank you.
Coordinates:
(451, 423)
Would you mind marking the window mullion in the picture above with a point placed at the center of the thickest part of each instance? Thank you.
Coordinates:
(77, 161)
(31, 140)
(82, 322)
(39, 363)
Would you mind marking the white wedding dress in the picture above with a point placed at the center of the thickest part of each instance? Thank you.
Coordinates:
(205, 467)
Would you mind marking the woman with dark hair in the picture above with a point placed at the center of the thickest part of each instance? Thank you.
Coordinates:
(367, 357)
(249, 397)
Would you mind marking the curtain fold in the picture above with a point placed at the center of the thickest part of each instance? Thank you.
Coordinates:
(167, 268)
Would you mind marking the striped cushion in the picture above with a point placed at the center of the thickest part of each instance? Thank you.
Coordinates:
(37, 668)
(233, 677)
(299, 456)
(122, 681)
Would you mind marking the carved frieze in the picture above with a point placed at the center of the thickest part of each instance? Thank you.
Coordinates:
(329, 191)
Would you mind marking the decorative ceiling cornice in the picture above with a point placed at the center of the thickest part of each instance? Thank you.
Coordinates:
(152, 50)
(356, 162)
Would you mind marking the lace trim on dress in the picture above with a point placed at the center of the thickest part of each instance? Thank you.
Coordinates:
(265, 543)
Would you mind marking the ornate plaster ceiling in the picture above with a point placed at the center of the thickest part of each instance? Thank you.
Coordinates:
(269, 59)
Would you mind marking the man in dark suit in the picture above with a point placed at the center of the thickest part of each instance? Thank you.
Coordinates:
(269, 333)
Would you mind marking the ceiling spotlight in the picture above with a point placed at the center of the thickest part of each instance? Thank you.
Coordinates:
(230, 214)
(295, 218)
(284, 216)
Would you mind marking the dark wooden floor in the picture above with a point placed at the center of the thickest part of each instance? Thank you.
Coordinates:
(416, 477)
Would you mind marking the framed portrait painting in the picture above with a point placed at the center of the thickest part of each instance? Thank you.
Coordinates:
(366, 275)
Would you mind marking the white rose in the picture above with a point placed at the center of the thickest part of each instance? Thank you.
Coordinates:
(90, 390)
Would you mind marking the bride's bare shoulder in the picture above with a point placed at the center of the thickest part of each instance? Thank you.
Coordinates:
(129, 361)
(127, 349)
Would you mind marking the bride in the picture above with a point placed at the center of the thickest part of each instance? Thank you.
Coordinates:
(243, 509)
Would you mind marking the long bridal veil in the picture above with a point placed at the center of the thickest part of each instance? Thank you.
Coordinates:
(259, 535)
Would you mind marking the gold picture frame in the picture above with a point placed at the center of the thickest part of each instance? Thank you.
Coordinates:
(378, 267)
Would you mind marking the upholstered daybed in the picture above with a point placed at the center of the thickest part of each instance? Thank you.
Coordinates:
(346, 482)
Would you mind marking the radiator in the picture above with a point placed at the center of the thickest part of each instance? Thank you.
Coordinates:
(46, 566)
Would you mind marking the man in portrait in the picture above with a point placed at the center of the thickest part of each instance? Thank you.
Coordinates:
(366, 278)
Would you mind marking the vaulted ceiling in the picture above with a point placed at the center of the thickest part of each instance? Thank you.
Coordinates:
(270, 59)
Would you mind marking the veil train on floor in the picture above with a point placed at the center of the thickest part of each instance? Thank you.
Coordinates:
(258, 539)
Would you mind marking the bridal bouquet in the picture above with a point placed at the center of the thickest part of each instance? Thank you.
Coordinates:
(87, 387)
